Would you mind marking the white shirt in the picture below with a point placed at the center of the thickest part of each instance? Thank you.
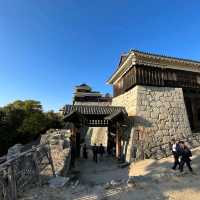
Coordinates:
(174, 147)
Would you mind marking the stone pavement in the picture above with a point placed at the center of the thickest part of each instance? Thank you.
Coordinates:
(100, 173)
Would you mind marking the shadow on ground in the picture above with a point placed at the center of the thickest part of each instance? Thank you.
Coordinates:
(153, 179)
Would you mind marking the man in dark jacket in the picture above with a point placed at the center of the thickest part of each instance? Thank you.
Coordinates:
(101, 151)
(85, 153)
(95, 152)
(185, 154)
(176, 153)
(73, 152)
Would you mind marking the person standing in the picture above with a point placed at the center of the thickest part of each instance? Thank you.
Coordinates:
(73, 152)
(95, 152)
(85, 153)
(114, 151)
(101, 151)
(175, 152)
(185, 157)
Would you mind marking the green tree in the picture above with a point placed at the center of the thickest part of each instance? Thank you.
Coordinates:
(27, 105)
(33, 125)
(54, 120)
(7, 133)
(22, 121)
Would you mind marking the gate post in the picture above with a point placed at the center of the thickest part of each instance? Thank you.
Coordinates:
(12, 182)
(118, 140)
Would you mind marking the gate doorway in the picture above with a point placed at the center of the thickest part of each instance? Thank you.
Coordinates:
(82, 117)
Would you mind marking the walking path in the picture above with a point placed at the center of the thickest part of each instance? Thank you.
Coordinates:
(99, 173)
(154, 180)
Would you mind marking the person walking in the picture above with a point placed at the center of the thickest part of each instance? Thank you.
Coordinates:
(95, 152)
(185, 157)
(176, 153)
(85, 153)
(101, 151)
(72, 152)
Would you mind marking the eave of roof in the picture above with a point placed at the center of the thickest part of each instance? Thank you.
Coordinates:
(119, 68)
(166, 57)
(137, 54)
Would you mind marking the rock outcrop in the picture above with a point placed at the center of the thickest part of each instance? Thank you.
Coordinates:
(60, 149)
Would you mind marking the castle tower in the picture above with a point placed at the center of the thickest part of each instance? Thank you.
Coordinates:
(161, 95)
(84, 95)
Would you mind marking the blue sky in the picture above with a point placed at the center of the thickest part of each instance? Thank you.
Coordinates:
(47, 47)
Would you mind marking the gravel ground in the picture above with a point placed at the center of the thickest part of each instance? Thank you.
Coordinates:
(153, 180)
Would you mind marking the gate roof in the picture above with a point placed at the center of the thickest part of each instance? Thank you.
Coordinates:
(93, 115)
(92, 110)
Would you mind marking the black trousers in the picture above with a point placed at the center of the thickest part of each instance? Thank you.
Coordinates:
(95, 157)
(182, 163)
(176, 160)
(85, 155)
(72, 163)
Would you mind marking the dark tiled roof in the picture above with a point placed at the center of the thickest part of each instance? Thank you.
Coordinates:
(92, 110)
(164, 56)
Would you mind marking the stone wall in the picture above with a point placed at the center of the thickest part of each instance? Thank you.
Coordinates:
(194, 140)
(128, 100)
(159, 114)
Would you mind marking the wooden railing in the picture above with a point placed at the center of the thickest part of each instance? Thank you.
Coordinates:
(25, 169)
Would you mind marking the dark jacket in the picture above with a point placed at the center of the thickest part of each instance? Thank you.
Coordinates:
(186, 154)
(178, 149)
(95, 149)
(101, 150)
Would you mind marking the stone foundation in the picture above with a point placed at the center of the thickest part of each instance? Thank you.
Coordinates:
(159, 114)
